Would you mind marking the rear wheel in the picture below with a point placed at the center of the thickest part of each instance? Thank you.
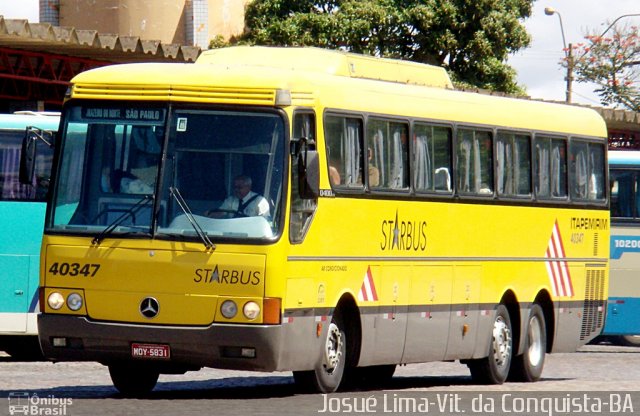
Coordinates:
(494, 369)
(528, 366)
(133, 380)
(329, 372)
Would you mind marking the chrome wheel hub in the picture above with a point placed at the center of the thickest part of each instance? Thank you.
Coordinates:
(501, 342)
(536, 352)
(333, 348)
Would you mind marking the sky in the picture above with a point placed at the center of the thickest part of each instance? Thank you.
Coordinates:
(538, 66)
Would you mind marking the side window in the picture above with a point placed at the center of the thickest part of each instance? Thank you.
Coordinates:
(343, 138)
(624, 191)
(432, 158)
(388, 154)
(513, 164)
(550, 167)
(597, 172)
(474, 162)
(10, 150)
(302, 210)
(587, 170)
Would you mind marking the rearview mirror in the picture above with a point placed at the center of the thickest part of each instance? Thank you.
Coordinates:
(308, 167)
(28, 154)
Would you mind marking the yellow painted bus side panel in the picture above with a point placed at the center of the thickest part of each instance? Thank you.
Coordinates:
(415, 232)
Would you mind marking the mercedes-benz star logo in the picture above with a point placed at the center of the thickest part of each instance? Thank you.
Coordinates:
(149, 307)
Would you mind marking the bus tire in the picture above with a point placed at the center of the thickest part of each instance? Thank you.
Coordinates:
(132, 380)
(528, 366)
(494, 368)
(330, 370)
(629, 340)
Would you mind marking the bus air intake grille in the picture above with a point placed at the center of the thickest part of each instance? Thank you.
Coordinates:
(250, 96)
(595, 245)
(593, 308)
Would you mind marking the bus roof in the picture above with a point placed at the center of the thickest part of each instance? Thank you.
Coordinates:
(330, 62)
(311, 76)
(21, 120)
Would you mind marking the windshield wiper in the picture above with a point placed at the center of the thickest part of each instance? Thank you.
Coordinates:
(192, 220)
(129, 212)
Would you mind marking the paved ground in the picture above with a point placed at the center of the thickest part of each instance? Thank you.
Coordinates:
(85, 389)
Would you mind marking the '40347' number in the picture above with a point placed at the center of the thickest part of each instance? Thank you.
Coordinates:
(74, 269)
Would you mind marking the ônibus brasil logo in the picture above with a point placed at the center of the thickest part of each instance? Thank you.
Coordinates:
(24, 403)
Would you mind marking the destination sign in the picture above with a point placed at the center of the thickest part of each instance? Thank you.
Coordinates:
(123, 114)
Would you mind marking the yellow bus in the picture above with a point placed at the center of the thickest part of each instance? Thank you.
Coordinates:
(326, 213)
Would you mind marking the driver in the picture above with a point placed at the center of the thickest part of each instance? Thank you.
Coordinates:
(243, 203)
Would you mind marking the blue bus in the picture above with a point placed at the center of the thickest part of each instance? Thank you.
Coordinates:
(622, 323)
(22, 211)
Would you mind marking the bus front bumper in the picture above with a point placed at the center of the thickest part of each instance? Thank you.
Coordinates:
(242, 347)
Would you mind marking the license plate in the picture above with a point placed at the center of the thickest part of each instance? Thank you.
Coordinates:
(153, 351)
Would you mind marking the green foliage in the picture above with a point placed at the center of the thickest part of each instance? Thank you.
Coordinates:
(612, 62)
(217, 42)
(471, 38)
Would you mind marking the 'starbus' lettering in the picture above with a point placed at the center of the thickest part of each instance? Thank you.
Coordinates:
(404, 235)
(227, 276)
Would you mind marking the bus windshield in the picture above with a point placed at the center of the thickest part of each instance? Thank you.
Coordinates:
(169, 172)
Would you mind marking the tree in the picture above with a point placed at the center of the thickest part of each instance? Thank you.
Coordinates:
(471, 38)
(611, 62)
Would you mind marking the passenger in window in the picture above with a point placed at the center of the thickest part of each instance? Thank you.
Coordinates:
(243, 203)
(120, 181)
(334, 174)
(374, 173)
(131, 184)
(145, 157)
(142, 160)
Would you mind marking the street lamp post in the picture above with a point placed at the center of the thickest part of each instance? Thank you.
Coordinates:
(616, 20)
(568, 53)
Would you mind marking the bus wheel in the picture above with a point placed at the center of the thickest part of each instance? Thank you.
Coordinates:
(328, 374)
(528, 366)
(494, 369)
(132, 380)
(630, 340)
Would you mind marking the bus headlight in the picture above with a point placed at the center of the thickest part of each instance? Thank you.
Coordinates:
(251, 310)
(229, 309)
(55, 300)
(74, 301)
